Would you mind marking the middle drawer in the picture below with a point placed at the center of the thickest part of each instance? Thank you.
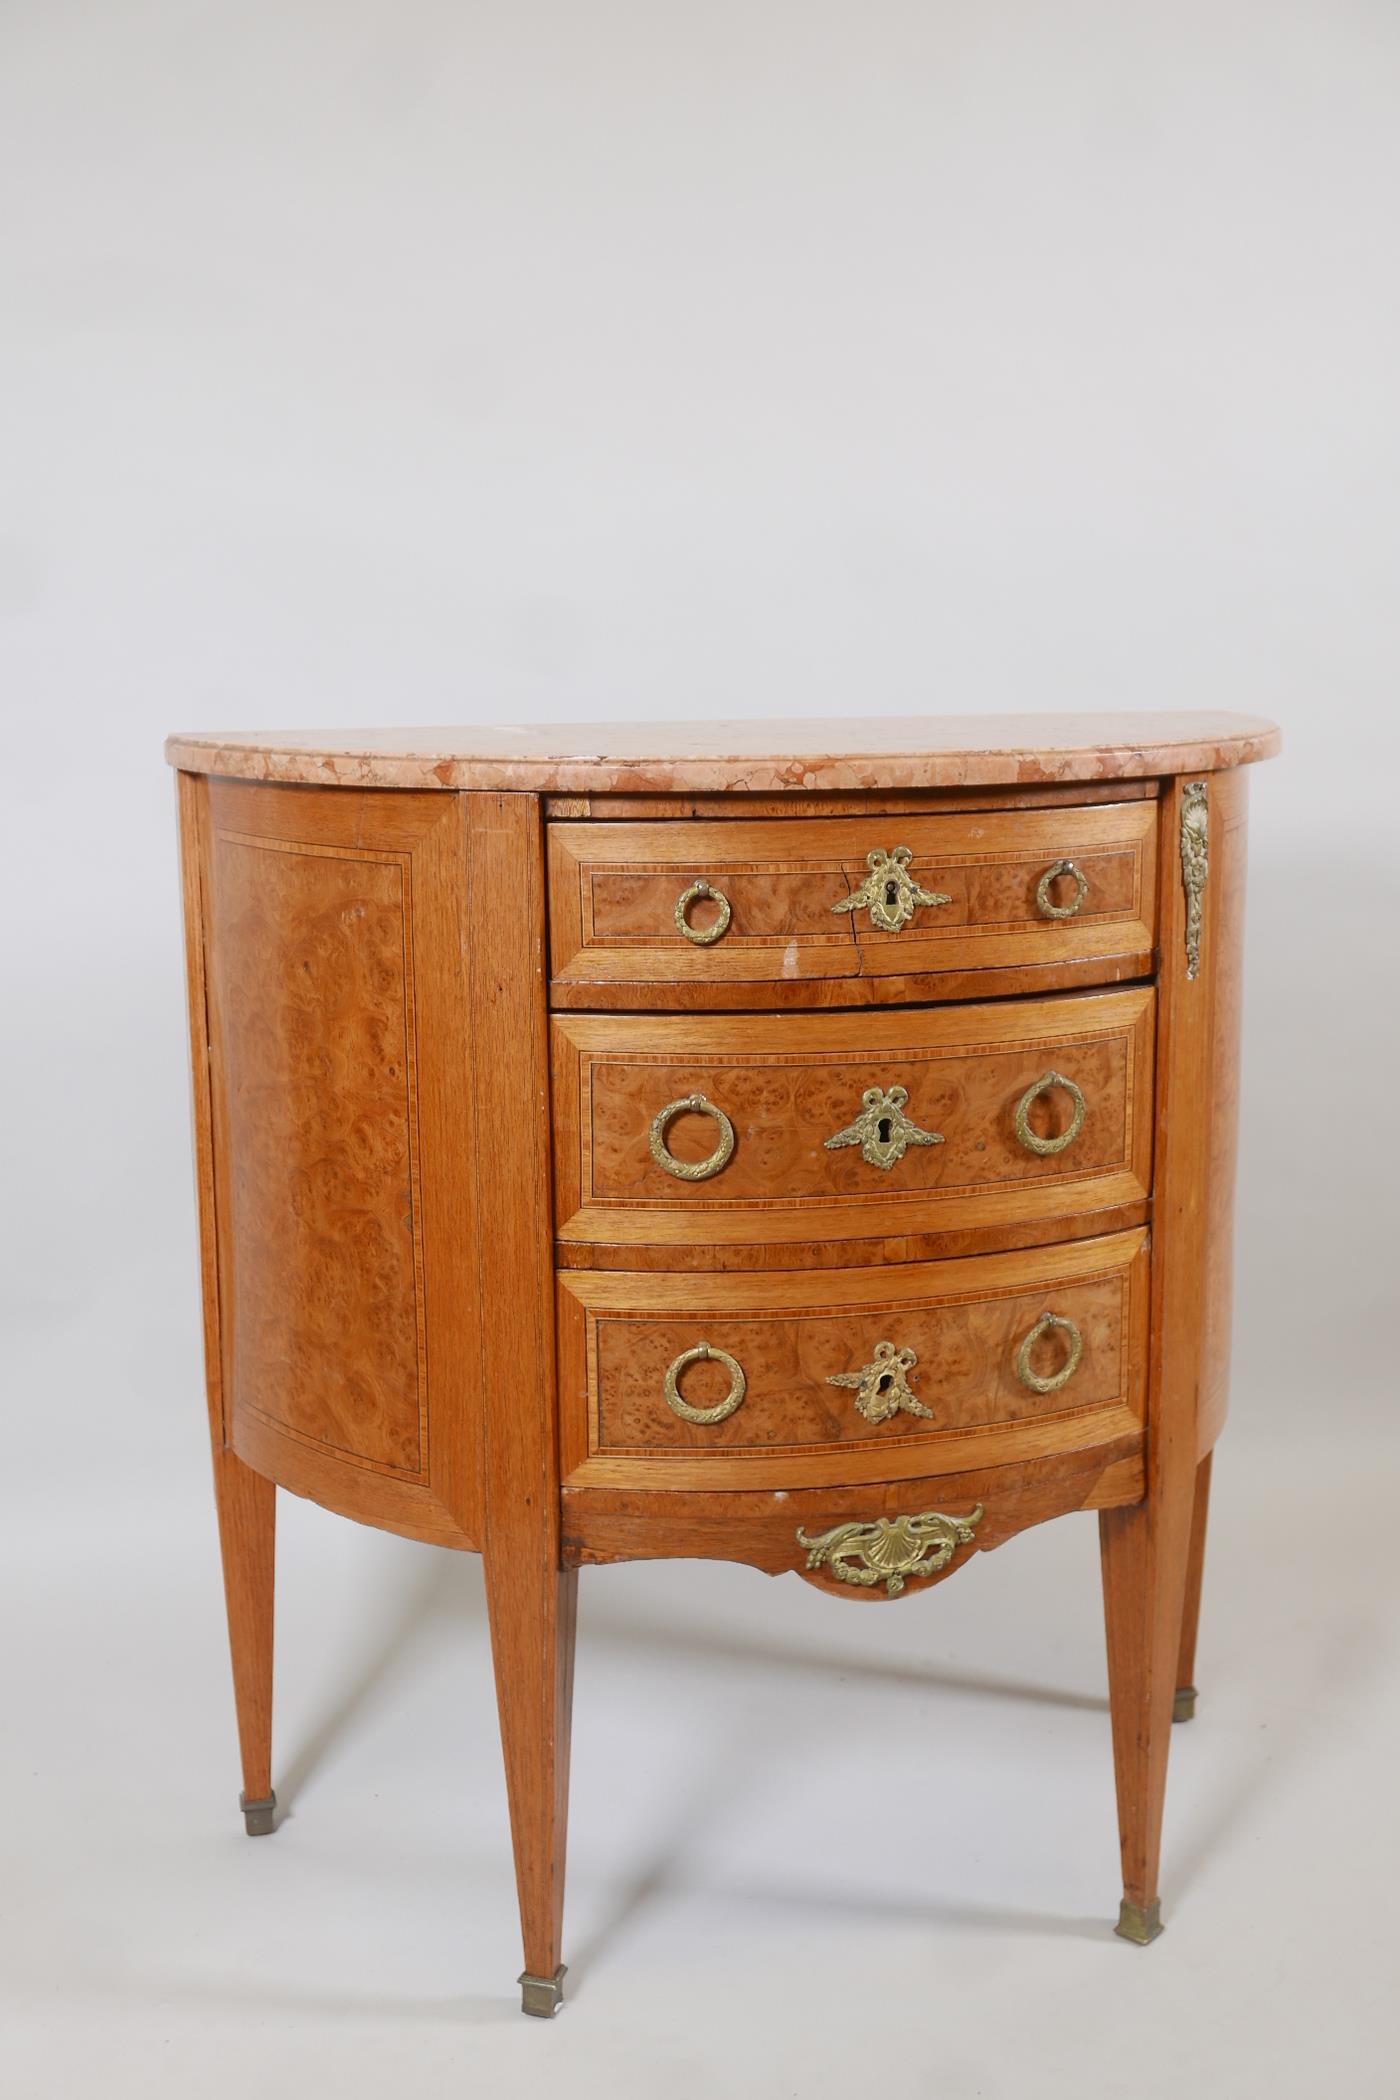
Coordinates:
(704, 1131)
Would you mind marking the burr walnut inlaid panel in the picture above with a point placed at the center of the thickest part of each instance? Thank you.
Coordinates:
(308, 980)
(976, 1151)
(981, 890)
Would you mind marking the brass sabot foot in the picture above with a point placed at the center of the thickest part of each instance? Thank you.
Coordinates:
(1184, 1704)
(1140, 1922)
(542, 1996)
(259, 1817)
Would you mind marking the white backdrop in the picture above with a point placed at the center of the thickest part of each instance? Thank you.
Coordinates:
(372, 363)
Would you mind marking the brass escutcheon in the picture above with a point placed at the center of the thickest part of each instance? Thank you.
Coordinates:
(738, 1385)
(1032, 1379)
(882, 1386)
(702, 937)
(685, 1169)
(882, 1130)
(889, 892)
(1027, 1136)
(1043, 905)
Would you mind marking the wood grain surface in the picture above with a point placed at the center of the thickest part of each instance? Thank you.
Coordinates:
(891, 1247)
(313, 1021)
(335, 1015)
(933, 987)
(788, 1083)
(1225, 893)
(614, 889)
(1146, 1548)
(246, 1503)
(760, 1528)
(908, 802)
(1195, 1571)
(790, 1333)
(531, 1598)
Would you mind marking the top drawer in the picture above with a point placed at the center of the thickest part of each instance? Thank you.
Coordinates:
(1059, 895)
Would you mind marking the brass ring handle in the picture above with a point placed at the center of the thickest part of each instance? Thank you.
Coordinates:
(738, 1385)
(1027, 1137)
(686, 1169)
(1043, 905)
(1033, 1379)
(702, 937)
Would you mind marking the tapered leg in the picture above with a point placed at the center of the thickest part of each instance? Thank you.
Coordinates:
(533, 1618)
(1144, 1551)
(1184, 1703)
(532, 1600)
(1147, 1546)
(247, 1505)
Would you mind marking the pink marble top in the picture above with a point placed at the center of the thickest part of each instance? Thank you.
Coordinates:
(716, 757)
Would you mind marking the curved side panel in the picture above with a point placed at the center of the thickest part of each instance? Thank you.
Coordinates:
(1224, 905)
(337, 1056)
(368, 1497)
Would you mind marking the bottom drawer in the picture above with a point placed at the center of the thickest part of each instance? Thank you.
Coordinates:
(788, 1380)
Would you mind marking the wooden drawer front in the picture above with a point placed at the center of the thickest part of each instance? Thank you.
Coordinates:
(614, 889)
(945, 1335)
(786, 1084)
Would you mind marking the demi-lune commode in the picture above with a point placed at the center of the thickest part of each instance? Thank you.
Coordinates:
(871, 1094)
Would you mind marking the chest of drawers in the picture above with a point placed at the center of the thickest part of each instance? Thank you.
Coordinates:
(620, 1143)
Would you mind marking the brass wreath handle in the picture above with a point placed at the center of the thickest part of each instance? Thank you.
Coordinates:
(1033, 1379)
(702, 937)
(1027, 1137)
(738, 1385)
(1043, 905)
(685, 1169)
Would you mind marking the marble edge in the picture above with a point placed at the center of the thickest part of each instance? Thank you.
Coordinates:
(991, 766)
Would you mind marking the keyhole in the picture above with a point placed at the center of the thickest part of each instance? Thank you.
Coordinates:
(883, 1128)
(883, 1382)
(891, 893)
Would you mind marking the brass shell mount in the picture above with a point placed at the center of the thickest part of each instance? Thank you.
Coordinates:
(882, 1130)
(702, 936)
(890, 1549)
(1048, 1323)
(723, 1409)
(687, 1169)
(1184, 1702)
(542, 1996)
(882, 1386)
(1043, 903)
(1041, 1146)
(1140, 1922)
(259, 1817)
(889, 892)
